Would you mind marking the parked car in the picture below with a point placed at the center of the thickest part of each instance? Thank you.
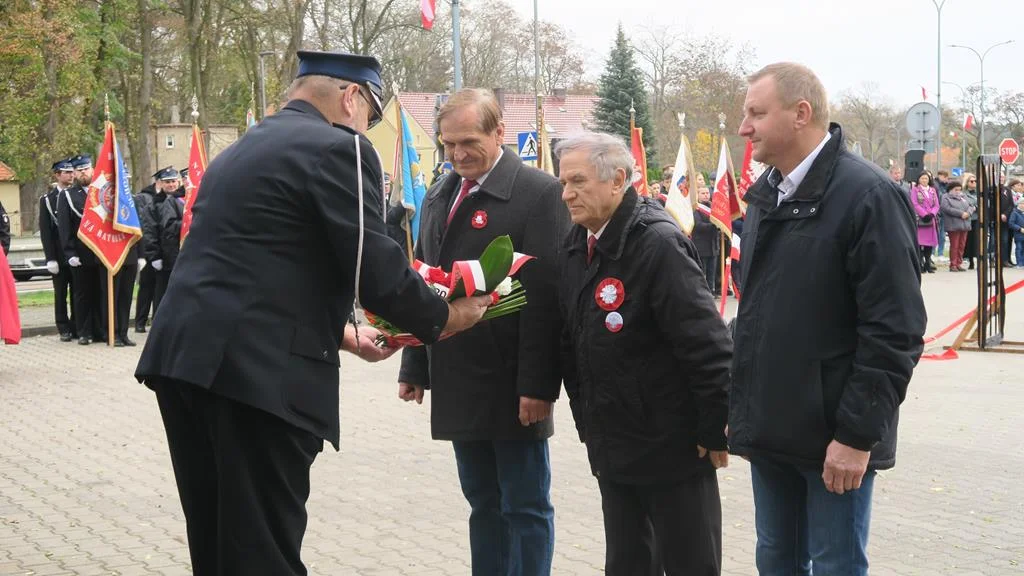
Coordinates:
(29, 268)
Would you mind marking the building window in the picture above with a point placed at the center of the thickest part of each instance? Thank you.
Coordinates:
(169, 141)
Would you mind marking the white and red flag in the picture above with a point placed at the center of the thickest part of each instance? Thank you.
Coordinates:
(427, 14)
(968, 121)
(681, 195)
(725, 204)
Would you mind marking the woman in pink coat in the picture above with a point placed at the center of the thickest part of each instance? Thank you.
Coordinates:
(926, 203)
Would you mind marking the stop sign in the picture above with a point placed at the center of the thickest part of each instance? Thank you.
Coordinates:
(1009, 150)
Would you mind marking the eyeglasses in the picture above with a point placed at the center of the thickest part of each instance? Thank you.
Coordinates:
(375, 118)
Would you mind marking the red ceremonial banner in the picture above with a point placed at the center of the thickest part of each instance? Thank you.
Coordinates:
(196, 169)
(636, 144)
(109, 227)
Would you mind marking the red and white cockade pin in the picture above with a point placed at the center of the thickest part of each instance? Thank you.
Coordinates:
(613, 322)
(479, 219)
(610, 294)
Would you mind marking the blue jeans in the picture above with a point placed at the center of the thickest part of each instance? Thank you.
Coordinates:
(802, 528)
(512, 522)
(1019, 240)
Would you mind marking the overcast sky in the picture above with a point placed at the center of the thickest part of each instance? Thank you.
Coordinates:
(891, 42)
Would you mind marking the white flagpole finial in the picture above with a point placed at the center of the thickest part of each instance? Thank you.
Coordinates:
(195, 108)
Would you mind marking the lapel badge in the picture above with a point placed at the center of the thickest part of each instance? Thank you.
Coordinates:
(613, 322)
(610, 294)
(479, 219)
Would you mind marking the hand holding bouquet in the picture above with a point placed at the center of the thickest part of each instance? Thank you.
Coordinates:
(491, 274)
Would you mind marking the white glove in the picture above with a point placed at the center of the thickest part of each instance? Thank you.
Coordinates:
(142, 264)
(74, 262)
(52, 267)
(158, 265)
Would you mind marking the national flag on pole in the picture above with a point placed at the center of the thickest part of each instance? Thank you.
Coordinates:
(413, 182)
(725, 204)
(110, 223)
(968, 122)
(427, 14)
(546, 163)
(196, 169)
(734, 252)
(636, 144)
(679, 198)
(924, 93)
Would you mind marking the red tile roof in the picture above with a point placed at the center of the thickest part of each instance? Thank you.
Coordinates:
(564, 115)
(6, 174)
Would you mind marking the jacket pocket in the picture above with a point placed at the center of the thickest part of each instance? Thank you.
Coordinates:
(312, 391)
(787, 413)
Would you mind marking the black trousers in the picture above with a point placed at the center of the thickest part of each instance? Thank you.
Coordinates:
(64, 290)
(124, 286)
(160, 279)
(711, 266)
(243, 480)
(147, 283)
(673, 529)
(90, 301)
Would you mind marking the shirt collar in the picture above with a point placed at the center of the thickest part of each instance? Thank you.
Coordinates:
(480, 180)
(599, 232)
(792, 180)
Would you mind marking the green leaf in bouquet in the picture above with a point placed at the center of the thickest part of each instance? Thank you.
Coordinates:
(495, 262)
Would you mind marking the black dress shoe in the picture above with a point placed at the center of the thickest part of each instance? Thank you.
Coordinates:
(124, 341)
(84, 341)
(118, 343)
(140, 329)
(66, 337)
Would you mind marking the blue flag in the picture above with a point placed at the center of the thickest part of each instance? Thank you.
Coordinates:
(414, 184)
(126, 216)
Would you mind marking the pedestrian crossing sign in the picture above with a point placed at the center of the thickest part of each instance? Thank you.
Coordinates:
(528, 145)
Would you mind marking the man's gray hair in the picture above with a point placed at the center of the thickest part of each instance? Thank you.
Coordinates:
(607, 153)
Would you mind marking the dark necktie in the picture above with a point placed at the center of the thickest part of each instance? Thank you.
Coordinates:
(467, 185)
(591, 242)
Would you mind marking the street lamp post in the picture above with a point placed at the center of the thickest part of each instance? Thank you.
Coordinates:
(938, 82)
(981, 61)
(263, 84)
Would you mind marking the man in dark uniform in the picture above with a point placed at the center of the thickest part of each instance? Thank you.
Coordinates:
(86, 269)
(56, 264)
(493, 387)
(124, 285)
(167, 214)
(5, 230)
(288, 231)
(168, 183)
(144, 205)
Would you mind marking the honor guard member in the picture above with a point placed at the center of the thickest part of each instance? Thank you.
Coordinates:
(124, 285)
(169, 184)
(288, 233)
(56, 264)
(86, 270)
(145, 204)
(171, 212)
(5, 230)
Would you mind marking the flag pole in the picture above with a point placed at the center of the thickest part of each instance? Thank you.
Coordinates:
(399, 152)
(110, 271)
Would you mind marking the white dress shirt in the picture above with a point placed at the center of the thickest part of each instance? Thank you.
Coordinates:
(479, 181)
(792, 180)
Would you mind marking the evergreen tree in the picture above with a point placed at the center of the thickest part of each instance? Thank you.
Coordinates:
(622, 84)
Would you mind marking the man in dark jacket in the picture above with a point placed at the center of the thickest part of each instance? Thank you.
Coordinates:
(493, 386)
(246, 368)
(169, 214)
(5, 230)
(145, 204)
(86, 269)
(156, 249)
(828, 332)
(646, 361)
(56, 264)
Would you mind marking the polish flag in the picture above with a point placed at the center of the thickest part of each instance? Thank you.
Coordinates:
(427, 14)
(968, 121)
(924, 93)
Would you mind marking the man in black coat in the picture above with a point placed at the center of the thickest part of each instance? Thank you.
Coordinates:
(170, 214)
(829, 329)
(493, 386)
(158, 252)
(5, 230)
(246, 368)
(56, 264)
(86, 270)
(145, 201)
(646, 360)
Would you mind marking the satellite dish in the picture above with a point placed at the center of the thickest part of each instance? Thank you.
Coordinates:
(923, 121)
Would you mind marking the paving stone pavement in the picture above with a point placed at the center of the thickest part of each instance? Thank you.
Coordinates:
(86, 485)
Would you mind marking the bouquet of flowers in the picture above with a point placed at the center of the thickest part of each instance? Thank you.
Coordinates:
(491, 274)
